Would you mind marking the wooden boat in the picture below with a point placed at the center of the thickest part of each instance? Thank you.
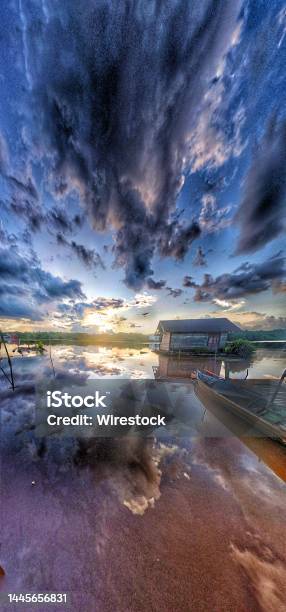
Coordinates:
(261, 404)
(240, 423)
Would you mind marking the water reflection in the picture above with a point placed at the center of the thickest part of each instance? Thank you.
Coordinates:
(206, 512)
(263, 364)
(139, 362)
(175, 367)
(88, 361)
(98, 506)
(179, 367)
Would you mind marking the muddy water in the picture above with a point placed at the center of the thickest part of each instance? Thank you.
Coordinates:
(195, 523)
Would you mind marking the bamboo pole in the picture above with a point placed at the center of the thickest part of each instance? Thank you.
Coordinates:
(5, 374)
(9, 362)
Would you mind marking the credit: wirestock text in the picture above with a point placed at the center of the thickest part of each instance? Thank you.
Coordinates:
(58, 399)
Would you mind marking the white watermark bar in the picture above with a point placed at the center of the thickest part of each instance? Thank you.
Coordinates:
(103, 407)
(108, 408)
(119, 407)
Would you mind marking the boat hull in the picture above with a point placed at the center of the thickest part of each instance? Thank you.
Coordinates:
(229, 405)
(265, 446)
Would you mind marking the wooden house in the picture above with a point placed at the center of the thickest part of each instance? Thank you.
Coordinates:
(187, 334)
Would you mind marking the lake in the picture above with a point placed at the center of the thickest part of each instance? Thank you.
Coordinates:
(140, 362)
(140, 523)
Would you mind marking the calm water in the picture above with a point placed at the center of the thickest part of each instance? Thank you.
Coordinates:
(113, 361)
(188, 520)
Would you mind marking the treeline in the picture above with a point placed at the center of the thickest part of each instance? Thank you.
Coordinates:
(260, 334)
(122, 337)
(81, 338)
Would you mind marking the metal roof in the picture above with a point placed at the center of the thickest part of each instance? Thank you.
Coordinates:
(209, 325)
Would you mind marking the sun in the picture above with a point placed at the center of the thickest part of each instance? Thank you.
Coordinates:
(100, 320)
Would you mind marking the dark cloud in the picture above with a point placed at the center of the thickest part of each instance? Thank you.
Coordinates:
(13, 265)
(53, 287)
(261, 215)
(152, 284)
(5, 237)
(202, 296)
(28, 210)
(24, 201)
(177, 239)
(78, 220)
(4, 158)
(101, 303)
(28, 188)
(248, 279)
(200, 258)
(26, 237)
(188, 281)
(174, 292)
(25, 286)
(119, 85)
(72, 312)
(89, 257)
(58, 218)
(13, 307)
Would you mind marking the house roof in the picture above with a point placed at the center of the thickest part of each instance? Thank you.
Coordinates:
(209, 325)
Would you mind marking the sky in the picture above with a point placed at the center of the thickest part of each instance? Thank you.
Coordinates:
(142, 163)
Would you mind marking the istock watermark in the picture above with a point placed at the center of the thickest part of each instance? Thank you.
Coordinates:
(77, 407)
(109, 408)
(56, 399)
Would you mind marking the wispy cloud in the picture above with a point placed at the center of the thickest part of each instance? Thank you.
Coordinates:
(213, 218)
(229, 306)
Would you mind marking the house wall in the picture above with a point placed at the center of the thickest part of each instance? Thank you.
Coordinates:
(188, 341)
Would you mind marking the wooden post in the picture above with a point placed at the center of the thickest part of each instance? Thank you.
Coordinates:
(9, 362)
